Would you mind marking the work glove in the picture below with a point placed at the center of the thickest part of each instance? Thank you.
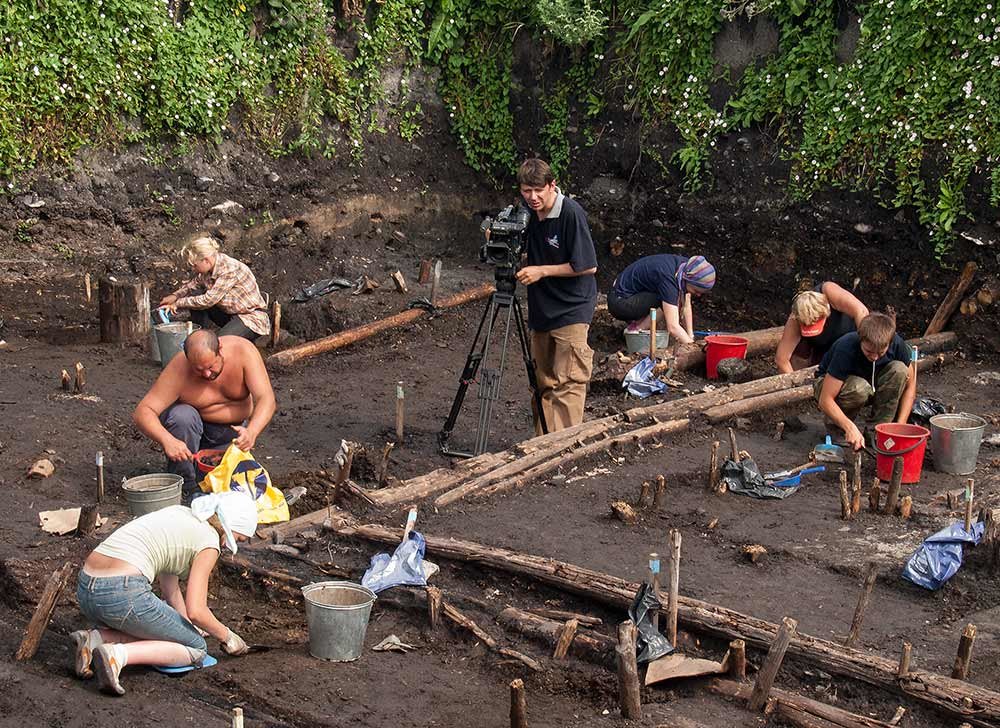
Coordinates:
(234, 645)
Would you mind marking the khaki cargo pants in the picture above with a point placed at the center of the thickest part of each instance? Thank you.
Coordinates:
(856, 393)
(563, 365)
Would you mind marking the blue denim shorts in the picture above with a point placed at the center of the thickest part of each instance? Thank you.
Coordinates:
(128, 604)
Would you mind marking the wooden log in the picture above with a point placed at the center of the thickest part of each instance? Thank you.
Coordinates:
(964, 657)
(457, 617)
(629, 696)
(874, 496)
(565, 639)
(845, 497)
(289, 552)
(798, 717)
(957, 698)
(734, 451)
(737, 664)
(123, 308)
(590, 646)
(434, 606)
(856, 485)
(825, 715)
(660, 494)
(871, 573)
(275, 324)
(87, 524)
(892, 494)
(345, 338)
(903, 670)
(518, 704)
(562, 615)
(240, 565)
(970, 494)
(80, 380)
(440, 479)
(713, 467)
(43, 612)
(673, 595)
(952, 300)
(906, 507)
(763, 402)
(772, 663)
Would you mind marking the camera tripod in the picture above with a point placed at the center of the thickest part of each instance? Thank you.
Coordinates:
(502, 299)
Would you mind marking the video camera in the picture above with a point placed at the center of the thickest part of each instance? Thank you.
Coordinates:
(505, 236)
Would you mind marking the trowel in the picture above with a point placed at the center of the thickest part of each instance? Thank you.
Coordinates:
(827, 452)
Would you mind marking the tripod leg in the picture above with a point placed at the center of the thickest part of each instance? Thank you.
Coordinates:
(529, 365)
(490, 381)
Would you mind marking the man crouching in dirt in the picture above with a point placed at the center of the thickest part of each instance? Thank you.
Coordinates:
(217, 393)
(562, 294)
(873, 366)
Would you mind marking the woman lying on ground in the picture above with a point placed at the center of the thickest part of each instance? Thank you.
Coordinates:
(115, 592)
(228, 297)
(819, 317)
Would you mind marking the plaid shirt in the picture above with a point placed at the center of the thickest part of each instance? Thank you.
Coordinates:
(232, 287)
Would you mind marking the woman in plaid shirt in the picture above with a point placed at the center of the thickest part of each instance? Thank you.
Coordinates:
(223, 291)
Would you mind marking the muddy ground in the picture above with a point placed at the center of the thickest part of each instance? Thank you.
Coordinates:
(302, 221)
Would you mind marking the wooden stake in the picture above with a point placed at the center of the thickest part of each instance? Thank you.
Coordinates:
(383, 465)
(845, 497)
(629, 696)
(737, 660)
(964, 656)
(100, 475)
(713, 468)
(566, 635)
(66, 380)
(734, 454)
(892, 495)
(43, 613)
(661, 492)
(518, 705)
(874, 496)
(772, 663)
(653, 577)
(425, 272)
(88, 521)
(856, 485)
(435, 283)
(87, 286)
(673, 595)
(871, 573)
(970, 493)
(237, 717)
(275, 324)
(399, 411)
(644, 493)
(952, 300)
(80, 381)
(399, 282)
(652, 334)
(906, 507)
(434, 598)
(904, 661)
(779, 432)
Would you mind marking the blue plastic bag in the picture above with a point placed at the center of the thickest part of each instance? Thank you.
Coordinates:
(640, 381)
(404, 568)
(940, 556)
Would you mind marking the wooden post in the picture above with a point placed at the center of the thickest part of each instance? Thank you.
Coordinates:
(675, 583)
(713, 468)
(629, 696)
(100, 475)
(772, 663)
(518, 705)
(845, 497)
(644, 494)
(970, 492)
(738, 660)
(904, 661)
(435, 283)
(434, 598)
(66, 381)
(856, 485)
(734, 450)
(87, 286)
(661, 492)
(892, 495)
(652, 334)
(906, 507)
(653, 577)
(875, 496)
(871, 573)
(237, 717)
(124, 311)
(952, 300)
(88, 521)
(964, 656)
(80, 380)
(383, 465)
(399, 411)
(566, 635)
(43, 612)
(425, 272)
(275, 324)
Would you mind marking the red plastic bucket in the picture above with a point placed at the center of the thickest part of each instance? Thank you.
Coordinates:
(907, 441)
(721, 347)
(207, 460)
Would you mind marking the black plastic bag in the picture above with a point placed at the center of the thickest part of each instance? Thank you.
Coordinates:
(321, 288)
(651, 644)
(924, 408)
(745, 478)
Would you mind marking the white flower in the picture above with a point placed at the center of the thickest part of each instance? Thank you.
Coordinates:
(967, 88)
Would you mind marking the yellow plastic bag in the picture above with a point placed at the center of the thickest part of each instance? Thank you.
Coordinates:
(239, 472)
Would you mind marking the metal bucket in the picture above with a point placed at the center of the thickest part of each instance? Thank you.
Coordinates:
(154, 344)
(955, 440)
(148, 493)
(170, 339)
(337, 613)
(638, 341)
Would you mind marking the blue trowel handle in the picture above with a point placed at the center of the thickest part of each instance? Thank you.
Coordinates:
(164, 314)
(817, 469)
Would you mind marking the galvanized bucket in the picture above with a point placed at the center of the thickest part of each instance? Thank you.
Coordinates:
(337, 613)
(170, 339)
(955, 440)
(638, 341)
(148, 493)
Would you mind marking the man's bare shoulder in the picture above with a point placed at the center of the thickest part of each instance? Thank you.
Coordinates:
(239, 347)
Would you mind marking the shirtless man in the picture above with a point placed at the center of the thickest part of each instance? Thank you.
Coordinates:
(217, 393)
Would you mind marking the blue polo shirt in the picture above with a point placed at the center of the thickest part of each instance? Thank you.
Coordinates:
(652, 274)
(845, 358)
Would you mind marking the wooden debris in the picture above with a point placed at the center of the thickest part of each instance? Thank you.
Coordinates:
(660, 494)
(124, 311)
(424, 277)
(906, 507)
(434, 600)
(457, 617)
(435, 285)
(734, 451)
(591, 646)
(80, 380)
(383, 464)
(275, 324)
(874, 496)
(713, 468)
(99, 460)
(712, 524)
(856, 485)
(897, 716)
(87, 287)
(964, 657)
(566, 635)
(673, 596)
(737, 660)
(87, 525)
(644, 494)
(237, 718)
(903, 670)
(845, 498)
(366, 285)
(66, 381)
(871, 573)
(676, 665)
(892, 495)
(400, 410)
(779, 432)
(952, 300)
(653, 579)
(43, 612)
(797, 709)
(753, 552)
(41, 468)
(772, 663)
(518, 704)
(624, 512)
(559, 614)
(629, 697)
(399, 282)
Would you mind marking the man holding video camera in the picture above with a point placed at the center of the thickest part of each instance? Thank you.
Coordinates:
(562, 293)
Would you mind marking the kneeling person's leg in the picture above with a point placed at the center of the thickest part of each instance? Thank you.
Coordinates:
(889, 386)
(184, 422)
